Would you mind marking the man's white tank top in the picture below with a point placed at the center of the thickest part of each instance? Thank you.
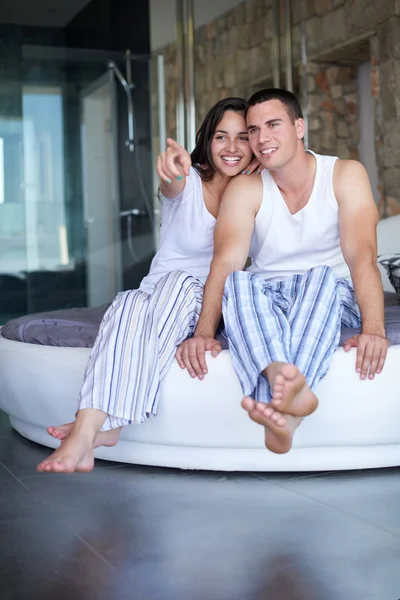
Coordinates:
(284, 244)
(186, 235)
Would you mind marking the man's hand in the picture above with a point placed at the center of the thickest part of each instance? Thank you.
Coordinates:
(191, 354)
(371, 353)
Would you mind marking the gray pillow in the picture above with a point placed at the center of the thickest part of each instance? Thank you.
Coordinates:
(391, 263)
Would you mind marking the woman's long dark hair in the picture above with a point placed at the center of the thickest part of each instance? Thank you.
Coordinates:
(201, 155)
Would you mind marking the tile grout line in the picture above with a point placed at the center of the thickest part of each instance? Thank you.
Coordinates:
(315, 474)
(339, 510)
(301, 477)
(90, 547)
(15, 477)
(49, 508)
(81, 539)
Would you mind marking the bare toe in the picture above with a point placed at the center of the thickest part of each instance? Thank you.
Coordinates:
(290, 392)
(75, 454)
(278, 419)
(281, 421)
(248, 403)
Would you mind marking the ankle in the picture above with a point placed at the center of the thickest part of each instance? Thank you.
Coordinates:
(89, 422)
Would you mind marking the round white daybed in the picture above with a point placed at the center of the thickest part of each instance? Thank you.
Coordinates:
(201, 424)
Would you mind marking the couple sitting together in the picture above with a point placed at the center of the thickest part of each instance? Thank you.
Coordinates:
(307, 222)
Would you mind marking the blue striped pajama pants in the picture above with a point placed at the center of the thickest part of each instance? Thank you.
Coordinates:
(295, 321)
(136, 345)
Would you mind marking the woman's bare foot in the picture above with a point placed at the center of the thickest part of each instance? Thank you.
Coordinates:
(74, 455)
(76, 451)
(279, 429)
(107, 438)
(60, 432)
(103, 438)
(290, 392)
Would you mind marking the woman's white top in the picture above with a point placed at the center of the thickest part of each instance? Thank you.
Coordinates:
(186, 235)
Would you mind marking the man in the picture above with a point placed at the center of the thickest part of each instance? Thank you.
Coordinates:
(309, 225)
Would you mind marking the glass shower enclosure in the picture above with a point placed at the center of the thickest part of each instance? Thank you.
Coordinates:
(66, 123)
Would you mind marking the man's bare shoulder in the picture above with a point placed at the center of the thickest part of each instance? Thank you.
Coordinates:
(241, 183)
(245, 187)
(347, 175)
(353, 191)
(348, 168)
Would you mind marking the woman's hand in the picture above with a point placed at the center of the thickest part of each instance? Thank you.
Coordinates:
(173, 163)
(191, 354)
(254, 166)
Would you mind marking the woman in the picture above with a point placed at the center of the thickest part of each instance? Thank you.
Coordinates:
(140, 331)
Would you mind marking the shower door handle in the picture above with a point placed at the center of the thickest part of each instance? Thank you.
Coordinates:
(133, 212)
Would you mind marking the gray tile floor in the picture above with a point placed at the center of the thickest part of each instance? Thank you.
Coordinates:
(126, 532)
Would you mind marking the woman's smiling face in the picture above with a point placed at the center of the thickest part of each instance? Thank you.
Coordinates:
(230, 148)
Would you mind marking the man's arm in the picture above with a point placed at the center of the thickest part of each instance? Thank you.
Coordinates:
(232, 236)
(358, 218)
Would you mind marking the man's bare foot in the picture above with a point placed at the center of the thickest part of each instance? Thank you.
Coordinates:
(279, 429)
(103, 438)
(74, 455)
(290, 392)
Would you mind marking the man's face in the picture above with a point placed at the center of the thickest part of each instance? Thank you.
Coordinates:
(272, 135)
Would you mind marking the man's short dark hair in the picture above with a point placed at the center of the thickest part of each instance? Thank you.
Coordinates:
(290, 101)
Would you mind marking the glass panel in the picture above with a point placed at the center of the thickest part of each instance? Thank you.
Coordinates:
(59, 202)
(47, 246)
(70, 188)
(13, 297)
(70, 260)
(100, 194)
(1, 170)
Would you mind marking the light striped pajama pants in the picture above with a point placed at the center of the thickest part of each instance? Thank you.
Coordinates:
(295, 321)
(135, 346)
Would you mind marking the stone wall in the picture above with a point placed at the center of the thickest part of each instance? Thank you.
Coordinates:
(234, 57)
(332, 109)
(388, 112)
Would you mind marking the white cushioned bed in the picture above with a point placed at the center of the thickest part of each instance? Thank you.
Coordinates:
(201, 424)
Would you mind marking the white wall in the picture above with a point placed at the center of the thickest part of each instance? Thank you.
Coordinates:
(163, 17)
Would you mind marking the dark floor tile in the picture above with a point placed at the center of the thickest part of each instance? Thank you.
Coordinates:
(5, 474)
(144, 533)
(17, 501)
(41, 554)
(121, 589)
(119, 489)
(4, 422)
(372, 495)
(21, 456)
(189, 536)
